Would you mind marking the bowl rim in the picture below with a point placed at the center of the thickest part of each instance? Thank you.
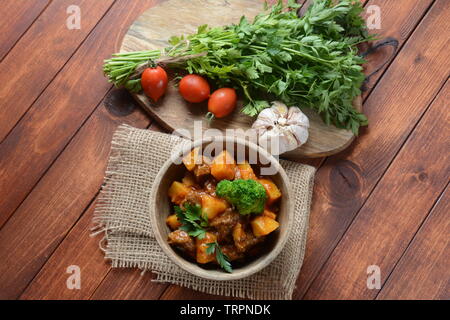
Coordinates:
(191, 267)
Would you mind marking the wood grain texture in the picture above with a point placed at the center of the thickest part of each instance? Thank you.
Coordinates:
(398, 19)
(17, 16)
(137, 287)
(57, 201)
(423, 271)
(129, 284)
(345, 181)
(383, 229)
(39, 55)
(174, 292)
(175, 17)
(61, 109)
(156, 25)
(79, 249)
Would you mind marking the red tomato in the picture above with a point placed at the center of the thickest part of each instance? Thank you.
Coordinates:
(154, 82)
(194, 88)
(222, 102)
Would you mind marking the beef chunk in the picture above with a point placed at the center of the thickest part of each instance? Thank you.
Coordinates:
(183, 241)
(210, 186)
(194, 197)
(203, 169)
(224, 224)
(232, 252)
(244, 239)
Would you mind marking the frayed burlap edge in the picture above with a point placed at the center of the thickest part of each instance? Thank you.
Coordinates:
(122, 215)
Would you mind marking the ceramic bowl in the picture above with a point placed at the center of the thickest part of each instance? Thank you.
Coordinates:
(161, 208)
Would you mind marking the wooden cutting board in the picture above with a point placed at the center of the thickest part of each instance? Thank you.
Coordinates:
(176, 17)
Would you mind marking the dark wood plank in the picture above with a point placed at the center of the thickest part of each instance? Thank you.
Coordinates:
(423, 271)
(56, 203)
(174, 292)
(40, 54)
(398, 19)
(394, 211)
(50, 282)
(129, 284)
(79, 249)
(17, 17)
(61, 109)
(344, 182)
(97, 275)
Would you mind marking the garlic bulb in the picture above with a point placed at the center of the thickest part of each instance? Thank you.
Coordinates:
(281, 129)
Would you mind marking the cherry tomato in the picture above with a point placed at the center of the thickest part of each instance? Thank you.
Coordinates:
(154, 82)
(194, 88)
(222, 102)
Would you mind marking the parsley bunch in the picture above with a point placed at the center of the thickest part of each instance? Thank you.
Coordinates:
(309, 61)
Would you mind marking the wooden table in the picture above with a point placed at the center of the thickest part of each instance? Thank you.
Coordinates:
(385, 201)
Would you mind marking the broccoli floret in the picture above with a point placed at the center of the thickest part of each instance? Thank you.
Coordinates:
(248, 196)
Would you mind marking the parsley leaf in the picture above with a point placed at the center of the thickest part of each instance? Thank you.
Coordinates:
(221, 258)
(191, 219)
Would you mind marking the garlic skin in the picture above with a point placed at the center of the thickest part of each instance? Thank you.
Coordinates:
(281, 129)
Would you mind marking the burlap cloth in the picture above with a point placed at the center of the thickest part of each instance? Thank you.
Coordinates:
(123, 215)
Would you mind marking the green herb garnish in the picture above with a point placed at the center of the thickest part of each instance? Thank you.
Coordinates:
(221, 258)
(191, 219)
(121, 68)
(309, 61)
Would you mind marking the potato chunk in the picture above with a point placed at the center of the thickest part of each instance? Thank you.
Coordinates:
(269, 214)
(189, 180)
(223, 166)
(246, 171)
(203, 168)
(263, 225)
(238, 232)
(173, 222)
(178, 192)
(244, 240)
(212, 206)
(197, 163)
(273, 193)
(202, 245)
(191, 159)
